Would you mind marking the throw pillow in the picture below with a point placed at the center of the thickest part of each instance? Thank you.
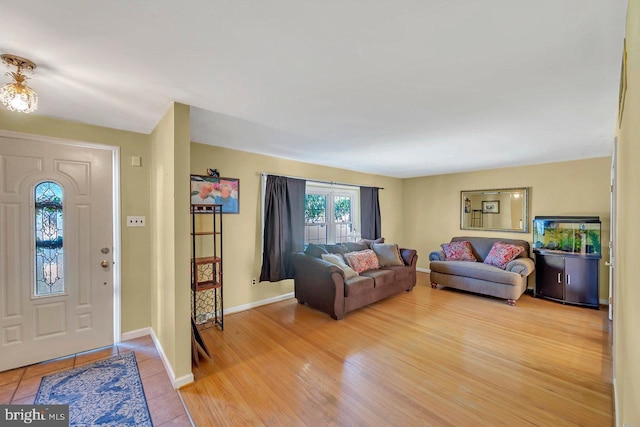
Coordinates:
(388, 254)
(458, 251)
(339, 262)
(315, 250)
(362, 260)
(502, 253)
(370, 242)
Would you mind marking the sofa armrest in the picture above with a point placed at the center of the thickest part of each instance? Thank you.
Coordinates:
(437, 256)
(522, 266)
(409, 256)
(319, 283)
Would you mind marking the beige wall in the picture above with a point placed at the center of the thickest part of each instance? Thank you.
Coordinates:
(170, 145)
(432, 204)
(134, 200)
(627, 292)
(242, 232)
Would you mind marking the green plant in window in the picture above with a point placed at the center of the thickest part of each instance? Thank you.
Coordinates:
(342, 209)
(315, 208)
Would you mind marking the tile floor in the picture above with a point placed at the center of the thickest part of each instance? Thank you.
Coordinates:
(19, 386)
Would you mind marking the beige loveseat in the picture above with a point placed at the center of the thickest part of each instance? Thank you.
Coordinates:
(481, 278)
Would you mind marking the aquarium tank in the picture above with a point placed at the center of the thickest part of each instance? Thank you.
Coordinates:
(575, 234)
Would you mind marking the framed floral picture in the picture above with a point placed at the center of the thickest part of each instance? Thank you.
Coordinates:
(209, 190)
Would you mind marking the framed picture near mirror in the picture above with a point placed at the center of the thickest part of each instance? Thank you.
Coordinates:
(503, 209)
(491, 206)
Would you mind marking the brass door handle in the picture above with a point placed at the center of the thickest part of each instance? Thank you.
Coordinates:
(104, 263)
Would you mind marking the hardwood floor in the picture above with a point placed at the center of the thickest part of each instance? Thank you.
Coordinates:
(426, 357)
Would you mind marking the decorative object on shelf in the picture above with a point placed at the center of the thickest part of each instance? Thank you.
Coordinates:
(208, 190)
(480, 210)
(206, 266)
(17, 96)
(213, 172)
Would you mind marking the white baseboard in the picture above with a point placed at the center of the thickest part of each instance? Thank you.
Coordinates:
(616, 408)
(125, 336)
(176, 382)
(604, 302)
(251, 305)
(423, 270)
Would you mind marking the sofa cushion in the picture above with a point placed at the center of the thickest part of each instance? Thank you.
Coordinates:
(335, 249)
(354, 247)
(476, 270)
(388, 254)
(501, 253)
(400, 272)
(362, 260)
(315, 250)
(380, 277)
(339, 261)
(370, 242)
(356, 285)
(458, 251)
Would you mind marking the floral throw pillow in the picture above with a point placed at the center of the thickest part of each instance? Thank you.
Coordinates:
(362, 260)
(502, 253)
(458, 251)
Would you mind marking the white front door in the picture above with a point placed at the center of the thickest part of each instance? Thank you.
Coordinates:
(56, 229)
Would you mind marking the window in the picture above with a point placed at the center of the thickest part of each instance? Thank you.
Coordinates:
(331, 214)
(49, 265)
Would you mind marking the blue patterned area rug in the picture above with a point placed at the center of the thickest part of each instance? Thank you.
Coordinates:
(104, 393)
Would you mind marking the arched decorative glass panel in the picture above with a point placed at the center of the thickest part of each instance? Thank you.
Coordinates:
(49, 233)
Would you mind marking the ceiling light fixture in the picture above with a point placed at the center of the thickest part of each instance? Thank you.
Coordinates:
(17, 96)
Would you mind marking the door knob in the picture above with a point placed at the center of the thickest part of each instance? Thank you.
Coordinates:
(104, 263)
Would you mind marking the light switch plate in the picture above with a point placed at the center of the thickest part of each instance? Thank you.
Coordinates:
(135, 221)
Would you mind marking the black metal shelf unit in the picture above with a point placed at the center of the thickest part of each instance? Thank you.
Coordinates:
(206, 266)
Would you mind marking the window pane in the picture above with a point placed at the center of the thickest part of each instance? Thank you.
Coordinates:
(315, 233)
(343, 233)
(315, 208)
(315, 213)
(49, 233)
(342, 208)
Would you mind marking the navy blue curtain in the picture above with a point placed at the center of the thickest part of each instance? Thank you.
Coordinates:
(283, 226)
(370, 213)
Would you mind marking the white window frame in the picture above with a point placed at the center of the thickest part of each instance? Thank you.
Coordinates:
(331, 191)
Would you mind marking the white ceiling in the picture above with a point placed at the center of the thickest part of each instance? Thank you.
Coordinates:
(394, 87)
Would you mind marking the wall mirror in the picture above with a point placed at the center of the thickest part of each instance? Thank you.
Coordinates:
(505, 209)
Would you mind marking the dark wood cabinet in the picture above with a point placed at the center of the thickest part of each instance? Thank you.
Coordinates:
(568, 278)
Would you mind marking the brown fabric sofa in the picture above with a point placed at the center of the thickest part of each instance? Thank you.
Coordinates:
(481, 278)
(322, 285)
